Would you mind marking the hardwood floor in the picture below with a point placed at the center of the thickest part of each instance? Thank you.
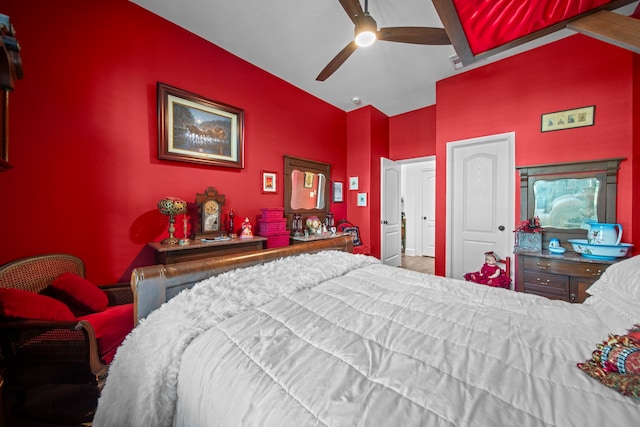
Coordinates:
(422, 264)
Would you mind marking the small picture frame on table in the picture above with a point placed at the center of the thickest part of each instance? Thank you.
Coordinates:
(269, 182)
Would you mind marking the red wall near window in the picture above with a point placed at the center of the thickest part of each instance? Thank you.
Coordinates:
(83, 132)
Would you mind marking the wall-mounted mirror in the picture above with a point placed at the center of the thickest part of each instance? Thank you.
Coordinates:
(306, 187)
(566, 203)
(566, 196)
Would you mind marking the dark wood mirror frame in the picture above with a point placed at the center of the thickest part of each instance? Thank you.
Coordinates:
(606, 171)
(10, 71)
(293, 163)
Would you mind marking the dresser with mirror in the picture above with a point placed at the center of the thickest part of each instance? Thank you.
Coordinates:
(565, 197)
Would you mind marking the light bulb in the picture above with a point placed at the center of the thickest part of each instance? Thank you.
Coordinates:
(366, 32)
(365, 38)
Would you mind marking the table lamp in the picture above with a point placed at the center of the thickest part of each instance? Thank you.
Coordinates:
(171, 206)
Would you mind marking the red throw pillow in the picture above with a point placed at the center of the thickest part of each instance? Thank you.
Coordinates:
(78, 292)
(19, 304)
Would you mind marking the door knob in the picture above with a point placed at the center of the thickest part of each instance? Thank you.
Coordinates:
(424, 217)
(501, 228)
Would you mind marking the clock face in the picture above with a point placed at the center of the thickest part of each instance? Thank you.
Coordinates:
(211, 207)
(211, 216)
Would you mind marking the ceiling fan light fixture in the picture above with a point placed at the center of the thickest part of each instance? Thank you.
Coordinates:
(366, 32)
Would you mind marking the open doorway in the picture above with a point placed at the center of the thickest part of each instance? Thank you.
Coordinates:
(418, 213)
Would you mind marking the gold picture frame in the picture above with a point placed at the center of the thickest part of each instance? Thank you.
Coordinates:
(568, 119)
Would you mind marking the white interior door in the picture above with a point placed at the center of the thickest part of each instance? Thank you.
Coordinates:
(390, 217)
(480, 201)
(428, 217)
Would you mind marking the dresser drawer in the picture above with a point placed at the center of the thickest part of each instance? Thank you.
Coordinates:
(575, 269)
(551, 283)
(547, 292)
(565, 277)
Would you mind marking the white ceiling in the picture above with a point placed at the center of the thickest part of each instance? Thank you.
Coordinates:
(295, 39)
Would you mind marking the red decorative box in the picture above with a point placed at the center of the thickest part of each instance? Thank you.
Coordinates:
(276, 239)
(272, 225)
(272, 213)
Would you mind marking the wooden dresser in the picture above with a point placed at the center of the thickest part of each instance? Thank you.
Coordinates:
(170, 254)
(564, 277)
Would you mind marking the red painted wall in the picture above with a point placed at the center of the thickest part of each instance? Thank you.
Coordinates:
(83, 129)
(368, 141)
(413, 134)
(635, 156)
(379, 148)
(359, 134)
(511, 95)
(83, 132)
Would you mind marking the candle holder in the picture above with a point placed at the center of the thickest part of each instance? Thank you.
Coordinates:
(296, 225)
(232, 233)
(328, 220)
(185, 229)
(172, 206)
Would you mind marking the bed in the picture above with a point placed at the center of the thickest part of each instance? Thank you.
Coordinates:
(331, 338)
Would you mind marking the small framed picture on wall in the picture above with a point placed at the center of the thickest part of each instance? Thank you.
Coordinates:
(353, 183)
(269, 182)
(337, 192)
(362, 199)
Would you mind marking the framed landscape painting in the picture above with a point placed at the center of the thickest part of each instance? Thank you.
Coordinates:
(194, 129)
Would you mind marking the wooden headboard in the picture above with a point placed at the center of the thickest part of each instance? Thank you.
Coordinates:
(154, 285)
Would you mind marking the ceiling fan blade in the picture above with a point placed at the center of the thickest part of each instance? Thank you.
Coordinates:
(353, 9)
(337, 61)
(415, 35)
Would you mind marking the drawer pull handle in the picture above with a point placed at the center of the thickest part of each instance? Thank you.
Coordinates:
(546, 282)
(597, 273)
(543, 267)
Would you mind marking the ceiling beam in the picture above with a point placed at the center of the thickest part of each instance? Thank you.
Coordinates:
(610, 27)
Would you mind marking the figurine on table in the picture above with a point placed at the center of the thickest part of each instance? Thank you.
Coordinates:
(246, 229)
(490, 274)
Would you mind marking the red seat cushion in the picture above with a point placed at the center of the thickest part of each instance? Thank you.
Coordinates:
(19, 304)
(111, 326)
(362, 249)
(76, 291)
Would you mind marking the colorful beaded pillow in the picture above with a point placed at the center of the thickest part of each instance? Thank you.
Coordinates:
(616, 363)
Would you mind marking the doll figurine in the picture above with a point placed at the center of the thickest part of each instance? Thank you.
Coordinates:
(490, 274)
(246, 229)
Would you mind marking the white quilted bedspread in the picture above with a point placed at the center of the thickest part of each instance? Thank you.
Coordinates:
(383, 346)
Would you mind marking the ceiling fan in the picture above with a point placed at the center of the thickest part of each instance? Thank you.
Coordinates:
(367, 33)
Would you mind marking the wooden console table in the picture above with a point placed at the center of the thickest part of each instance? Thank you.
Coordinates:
(170, 254)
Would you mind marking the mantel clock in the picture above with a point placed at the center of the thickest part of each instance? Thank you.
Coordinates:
(210, 217)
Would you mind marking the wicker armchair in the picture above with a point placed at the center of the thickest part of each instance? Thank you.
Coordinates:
(36, 351)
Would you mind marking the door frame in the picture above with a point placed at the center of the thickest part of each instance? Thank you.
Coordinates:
(510, 137)
(410, 203)
(402, 164)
